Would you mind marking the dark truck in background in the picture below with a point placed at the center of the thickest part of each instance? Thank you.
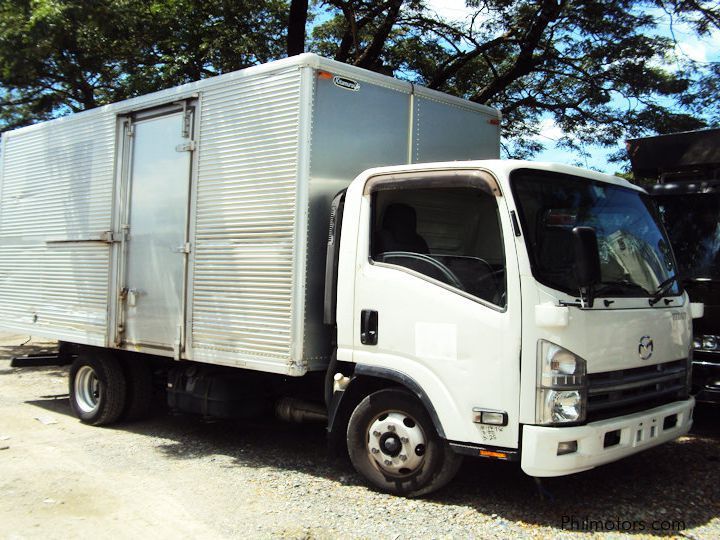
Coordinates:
(682, 172)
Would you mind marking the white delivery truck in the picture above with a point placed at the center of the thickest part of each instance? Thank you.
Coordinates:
(456, 304)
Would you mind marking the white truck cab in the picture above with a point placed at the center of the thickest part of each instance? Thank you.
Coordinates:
(532, 308)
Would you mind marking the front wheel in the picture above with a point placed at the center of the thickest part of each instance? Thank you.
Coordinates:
(393, 444)
(97, 388)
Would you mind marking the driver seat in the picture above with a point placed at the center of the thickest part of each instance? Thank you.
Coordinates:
(399, 231)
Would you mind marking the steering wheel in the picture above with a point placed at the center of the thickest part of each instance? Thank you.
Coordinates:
(480, 278)
(490, 272)
(449, 277)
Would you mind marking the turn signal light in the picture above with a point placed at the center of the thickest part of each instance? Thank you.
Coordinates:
(490, 417)
(490, 453)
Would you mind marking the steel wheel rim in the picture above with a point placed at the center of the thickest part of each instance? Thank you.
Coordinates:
(87, 389)
(396, 443)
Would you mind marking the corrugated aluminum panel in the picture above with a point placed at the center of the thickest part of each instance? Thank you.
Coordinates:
(57, 182)
(245, 221)
(259, 210)
(58, 291)
(56, 190)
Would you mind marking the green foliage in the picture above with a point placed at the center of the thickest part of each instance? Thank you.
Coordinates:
(58, 56)
(600, 70)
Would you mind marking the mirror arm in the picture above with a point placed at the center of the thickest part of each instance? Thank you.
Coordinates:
(587, 268)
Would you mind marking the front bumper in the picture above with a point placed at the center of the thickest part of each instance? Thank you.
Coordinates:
(637, 432)
(706, 377)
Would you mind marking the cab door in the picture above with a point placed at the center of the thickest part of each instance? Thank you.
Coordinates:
(437, 296)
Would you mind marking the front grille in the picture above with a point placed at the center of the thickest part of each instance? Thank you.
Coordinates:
(615, 393)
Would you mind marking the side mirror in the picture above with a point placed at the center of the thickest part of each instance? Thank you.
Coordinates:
(587, 261)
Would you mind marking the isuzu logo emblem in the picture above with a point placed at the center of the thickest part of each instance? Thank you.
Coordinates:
(645, 349)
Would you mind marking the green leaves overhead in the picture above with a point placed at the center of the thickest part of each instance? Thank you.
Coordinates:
(599, 70)
(58, 56)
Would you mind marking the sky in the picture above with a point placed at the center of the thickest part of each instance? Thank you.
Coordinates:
(701, 50)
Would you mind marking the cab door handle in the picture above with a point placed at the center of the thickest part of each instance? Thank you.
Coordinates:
(369, 327)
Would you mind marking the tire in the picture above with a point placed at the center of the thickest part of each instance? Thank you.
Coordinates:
(139, 390)
(392, 443)
(97, 388)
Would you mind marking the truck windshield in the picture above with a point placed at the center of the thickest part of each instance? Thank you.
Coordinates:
(693, 225)
(635, 257)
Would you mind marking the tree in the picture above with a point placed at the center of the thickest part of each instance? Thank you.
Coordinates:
(297, 20)
(601, 70)
(59, 56)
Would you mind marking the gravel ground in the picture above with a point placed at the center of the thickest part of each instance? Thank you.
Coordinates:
(179, 477)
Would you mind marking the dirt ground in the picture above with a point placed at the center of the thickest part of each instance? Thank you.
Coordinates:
(180, 477)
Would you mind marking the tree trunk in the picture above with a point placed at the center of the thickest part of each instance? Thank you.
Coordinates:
(296, 27)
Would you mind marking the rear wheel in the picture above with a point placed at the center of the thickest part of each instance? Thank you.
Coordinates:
(393, 444)
(97, 388)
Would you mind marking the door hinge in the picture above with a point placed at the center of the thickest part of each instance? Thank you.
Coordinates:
(109, 237)
(185, 248)
(130, 128)
(187, 120)
(178, 345)
(187, 147)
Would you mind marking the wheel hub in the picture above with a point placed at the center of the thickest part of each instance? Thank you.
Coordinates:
(393, 442)
(87, 389)
(390, 444)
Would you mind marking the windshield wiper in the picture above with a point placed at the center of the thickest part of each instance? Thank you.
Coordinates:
(663, 288)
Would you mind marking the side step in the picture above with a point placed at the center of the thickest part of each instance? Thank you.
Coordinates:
(37, 360)
(66, 353)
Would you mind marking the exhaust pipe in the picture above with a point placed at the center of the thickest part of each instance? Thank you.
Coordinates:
(299, 411)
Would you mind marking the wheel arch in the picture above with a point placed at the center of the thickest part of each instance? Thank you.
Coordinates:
(364, 381)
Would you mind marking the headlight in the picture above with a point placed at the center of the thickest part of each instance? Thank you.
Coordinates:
(562, 406)
(709, 342)
(562, 392)
(706, 343)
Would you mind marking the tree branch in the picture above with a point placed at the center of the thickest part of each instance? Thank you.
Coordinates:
(372, 52)
(525, 61)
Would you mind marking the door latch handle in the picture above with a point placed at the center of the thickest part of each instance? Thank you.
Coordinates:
(369, 327)
(130, 296)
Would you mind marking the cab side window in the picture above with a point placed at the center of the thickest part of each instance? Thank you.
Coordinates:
(451, 235)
